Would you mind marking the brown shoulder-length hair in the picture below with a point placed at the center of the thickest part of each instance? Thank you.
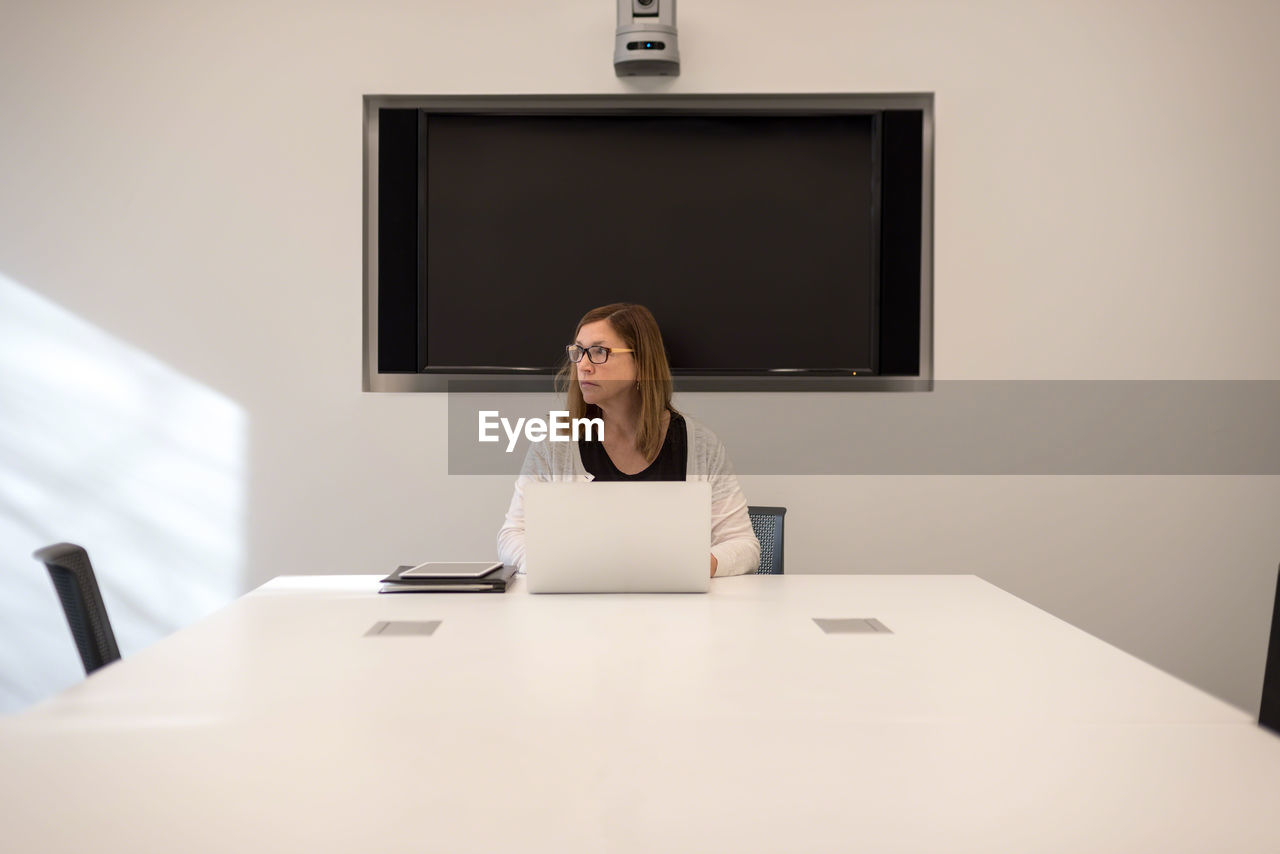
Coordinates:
(639, 331)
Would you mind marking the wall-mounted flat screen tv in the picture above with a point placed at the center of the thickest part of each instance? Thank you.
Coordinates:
(782, 242)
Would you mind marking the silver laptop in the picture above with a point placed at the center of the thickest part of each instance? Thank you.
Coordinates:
(649, 537)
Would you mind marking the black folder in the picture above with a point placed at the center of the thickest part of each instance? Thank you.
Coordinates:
(491, 582)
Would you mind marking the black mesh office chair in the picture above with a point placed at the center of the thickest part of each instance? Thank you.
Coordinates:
(73, 578)
(767, 523)
(1269, 713)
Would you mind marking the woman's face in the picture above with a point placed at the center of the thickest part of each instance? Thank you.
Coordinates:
(617, 376)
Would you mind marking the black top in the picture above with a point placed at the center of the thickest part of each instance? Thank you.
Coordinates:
(670, 464)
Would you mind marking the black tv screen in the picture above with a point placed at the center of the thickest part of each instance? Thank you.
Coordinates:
(766, 243)
(749, 237)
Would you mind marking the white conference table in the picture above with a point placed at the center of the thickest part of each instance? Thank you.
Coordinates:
(679, 723)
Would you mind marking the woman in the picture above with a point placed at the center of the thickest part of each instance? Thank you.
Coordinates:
(617, 371)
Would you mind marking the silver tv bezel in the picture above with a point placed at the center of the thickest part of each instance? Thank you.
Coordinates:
(811, 104)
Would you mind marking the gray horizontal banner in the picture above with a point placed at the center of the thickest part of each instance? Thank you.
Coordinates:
(969, 427)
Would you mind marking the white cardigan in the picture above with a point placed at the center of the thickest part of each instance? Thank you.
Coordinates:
(733, 542)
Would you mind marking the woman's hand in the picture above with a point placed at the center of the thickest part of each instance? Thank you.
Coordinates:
(714, 564)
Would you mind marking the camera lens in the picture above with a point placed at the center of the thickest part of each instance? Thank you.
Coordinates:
(645, 2)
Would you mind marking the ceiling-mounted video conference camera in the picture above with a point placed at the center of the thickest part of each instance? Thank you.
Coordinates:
(646, 39)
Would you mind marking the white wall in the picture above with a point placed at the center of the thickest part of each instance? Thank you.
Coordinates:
(187, 179)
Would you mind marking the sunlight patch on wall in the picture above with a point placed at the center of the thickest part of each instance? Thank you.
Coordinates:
(105, 446)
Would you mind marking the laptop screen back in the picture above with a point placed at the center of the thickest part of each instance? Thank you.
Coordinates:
(651, 537)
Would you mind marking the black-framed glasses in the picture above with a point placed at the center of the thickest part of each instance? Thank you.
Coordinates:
(597, 354)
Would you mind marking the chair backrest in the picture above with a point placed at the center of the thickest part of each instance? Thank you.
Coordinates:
(77, 588)
(767, 523)
(1269, 713)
